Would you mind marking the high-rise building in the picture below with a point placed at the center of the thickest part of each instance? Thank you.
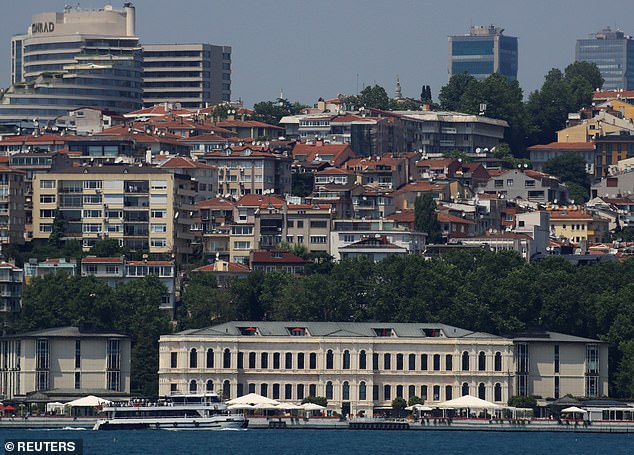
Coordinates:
(613, 53)
(484, 51)
(194, 75)
(73, 59)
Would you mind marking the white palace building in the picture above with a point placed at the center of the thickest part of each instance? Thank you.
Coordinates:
(364, 366)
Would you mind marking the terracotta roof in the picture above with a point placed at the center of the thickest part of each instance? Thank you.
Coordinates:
(7, 264)
(334, 171)
(496, 172)
(267, 257)
(613, 94)
(11, 169)
(573, 146)
(157, 109)
(373, 242)
(435, 163)
(420, 187)
(261, 200)
(563, 214)
(206, 138)
(403, 216)
(233, 267)
(447, 218)
(44, 138)
(246, 124)
(498, 235)
(312, 150)
(179, 162)
(487, 196)
(96, 260)
(371, 163)
(617, 201)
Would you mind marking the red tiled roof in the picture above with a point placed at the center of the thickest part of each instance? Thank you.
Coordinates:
(246, 124)
(334, 171)
(233, 267)
(569, 215)
(435, 163)
(403, 216)
(179, 162)
(613, 94)
(447, 218)
(261, 201)
(311, 150)
(419, 187)
(309, 206)
(267, 257)
(7, 264)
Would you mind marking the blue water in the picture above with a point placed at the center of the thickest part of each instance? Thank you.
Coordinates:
(344, 442)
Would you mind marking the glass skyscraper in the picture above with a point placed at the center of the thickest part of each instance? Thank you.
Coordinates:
(613, 53)
(484, 51)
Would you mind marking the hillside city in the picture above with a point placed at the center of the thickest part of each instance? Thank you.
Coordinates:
(158, 236)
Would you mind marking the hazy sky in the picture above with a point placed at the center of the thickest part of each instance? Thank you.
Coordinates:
(321, 48)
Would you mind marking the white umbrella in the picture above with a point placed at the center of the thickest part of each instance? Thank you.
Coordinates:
(266, 406)
(574, 409)
(290, 406)
(252, 399)
(90, 400)
(312, 407)
(470, 402)
(418, 407)
(241, 406)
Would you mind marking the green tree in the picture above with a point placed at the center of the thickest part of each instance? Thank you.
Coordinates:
(425, 94)
(106, 248)
(271, 112)
(398, 404)
(588, 71)
(425, 217)
(415, 400)
(571, 170)
(58, 230)
(374, 96)
(204, 303)
(518, 401)
(450, 95)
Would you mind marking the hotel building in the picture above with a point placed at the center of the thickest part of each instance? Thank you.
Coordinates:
(364, 366)
(144, 208)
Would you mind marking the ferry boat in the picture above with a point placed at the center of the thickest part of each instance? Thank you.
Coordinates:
(176, 412)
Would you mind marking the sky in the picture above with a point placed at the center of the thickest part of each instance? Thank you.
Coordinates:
(312, 49)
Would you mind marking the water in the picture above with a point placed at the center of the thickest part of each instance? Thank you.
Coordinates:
(344, 442)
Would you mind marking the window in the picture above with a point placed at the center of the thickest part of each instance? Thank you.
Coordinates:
(387, 392)
(465, 361)
(436, 395)
(345, 391)
(436, 362)
(288, 391)
(522, 357)
(346, 360)
(556, 358)
(329, 393)
(251, 388)
(411, 391)
(318, 239)
(465, 389)
(300, 361)
(276, 360)
(362, 360)
(47, 199)
(423, 392)
(240, 361)
(412, 362)
(158, 228)
(193, 359)
(226, 390)
(158, 242)
(399, 361)
(288, 361)
(556, 392)
(448, 363)
(210, 358)
(264, 389)
(387, 361)
(226, 359)
(448, 392)
(482, 361)
(300, 391)
(312, 361)
(241, 245)
(498, 361)
(173, 359)
(193, 387)
(329, 360)
(77, 353)
(482, 391)
(375, 361)
(423, 362)
(318, 224)
(497, 391)
(276, 391)
(362, 391)
(47, 183)
(41, 353)
(312, 390)
(252, 360)
(209, 385)
(592, 359)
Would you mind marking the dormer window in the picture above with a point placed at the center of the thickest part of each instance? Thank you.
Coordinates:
(297, 331)
(433, 333)
(383, 332)
(248, 331)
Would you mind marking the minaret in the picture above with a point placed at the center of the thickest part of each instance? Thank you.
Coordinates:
(397, 91)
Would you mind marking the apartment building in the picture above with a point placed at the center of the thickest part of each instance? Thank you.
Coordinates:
(12, 201)
(528, 185)
(11, 279)
(250, 172)
(144, 208)
(65, 362)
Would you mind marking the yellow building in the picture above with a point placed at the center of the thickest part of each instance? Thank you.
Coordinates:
(144, 208)
(578, 226)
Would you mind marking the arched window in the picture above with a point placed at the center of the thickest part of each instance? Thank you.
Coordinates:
(226, 390)
(330, 360)
(193, 358)
(423, 392)
(251, 388)
(276, 391)
(193, 387)
(210, 358)
(465, 361)
(300, 361)
(498, 361)
(362, 360)
(387, 392)
(252, 359)
(375, 360)
(482, 361)
(329, 390)
(276, 360)
(346, 360)
(436, 362)
(264, 389)
(448, 392)
(312, 361)
(399, 391)
(399, 362)
(288, 361)
(465, 389)
(226, 359)
(423, 362)
(264, 360)
(362, 391)
(411, 391)
(345, 391)
(312, 390)
(387, 361)
(412, 362)
(482, 391)
(300, 391)
(209, 387)
(448, 362)
(497, 392)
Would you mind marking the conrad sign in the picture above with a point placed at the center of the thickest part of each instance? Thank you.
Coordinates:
(42, 27)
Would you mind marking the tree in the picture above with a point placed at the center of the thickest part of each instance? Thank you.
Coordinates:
(519, 401)
(571, 170)
(425, 94)
(58, 229)
(588, 71)
(106, 248)
(271, 112)
(205, 304)
(321, 401)
(425, 217)
(450, 95)
(374, 96)
(415, 400)
(398, 404)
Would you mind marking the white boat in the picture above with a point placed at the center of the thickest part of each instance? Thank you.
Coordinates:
(175, 412)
